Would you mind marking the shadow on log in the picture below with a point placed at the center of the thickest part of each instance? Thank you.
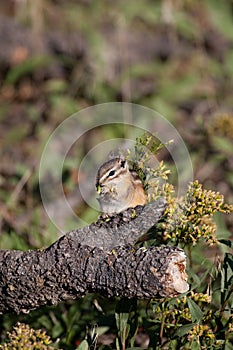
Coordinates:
(99, 258)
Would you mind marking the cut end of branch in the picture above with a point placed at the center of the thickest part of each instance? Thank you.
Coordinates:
(176, 272)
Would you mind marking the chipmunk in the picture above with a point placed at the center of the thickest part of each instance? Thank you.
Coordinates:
(119, 187)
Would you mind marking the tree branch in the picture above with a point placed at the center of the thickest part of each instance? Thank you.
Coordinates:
(98, 258)
(121, 229)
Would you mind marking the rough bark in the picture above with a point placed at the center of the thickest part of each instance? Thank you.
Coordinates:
(98, 258)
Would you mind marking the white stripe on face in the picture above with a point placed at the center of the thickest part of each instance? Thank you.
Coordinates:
(111, 169)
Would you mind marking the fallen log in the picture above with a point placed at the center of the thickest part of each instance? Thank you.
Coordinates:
(100, 258)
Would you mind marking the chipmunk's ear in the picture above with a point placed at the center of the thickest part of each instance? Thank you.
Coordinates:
(123, 162)
(116, 153)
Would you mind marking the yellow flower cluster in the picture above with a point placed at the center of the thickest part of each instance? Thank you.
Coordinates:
(24, 337)
(200, 330)
(187, 219)
(191, 218)
(197, 297)
(179, 312)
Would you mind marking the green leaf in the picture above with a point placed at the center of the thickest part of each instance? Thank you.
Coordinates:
(228, 345)
(27, 67)
(196, 313)
(83, 346)
(222, 144)
(227, 242)
(184, 329)
(126, 320)
(227, 277)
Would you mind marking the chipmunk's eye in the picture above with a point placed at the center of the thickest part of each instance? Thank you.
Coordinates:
(111, 173)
